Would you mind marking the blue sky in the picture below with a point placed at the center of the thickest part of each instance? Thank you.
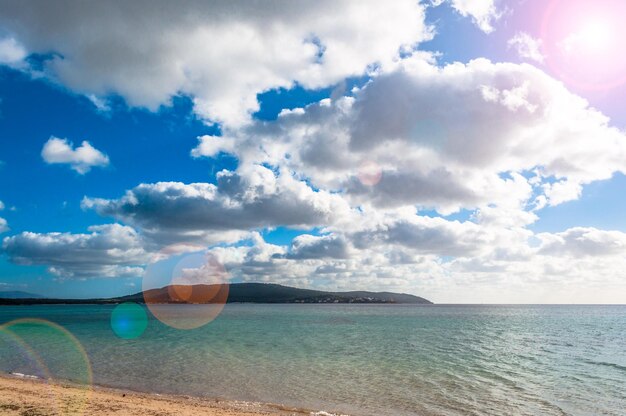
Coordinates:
(147, 135)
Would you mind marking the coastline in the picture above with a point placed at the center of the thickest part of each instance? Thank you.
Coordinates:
(22, 395)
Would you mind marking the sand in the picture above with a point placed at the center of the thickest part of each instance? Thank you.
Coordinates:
(21, 396)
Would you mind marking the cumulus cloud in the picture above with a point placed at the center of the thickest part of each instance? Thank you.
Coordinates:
(484, 13)
(526, 47)
(3, 223)
(318, 247)
(500, 140)
(220, 53)
(111, 250)
(81, 159)
(561, 191)
(254, 198)
(583, 241)
(507, 265)
(12, 53)
(399, 250)
(425, 235)
(495, 142)
(461, 136)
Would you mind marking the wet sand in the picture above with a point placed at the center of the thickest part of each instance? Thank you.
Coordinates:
(21, 396)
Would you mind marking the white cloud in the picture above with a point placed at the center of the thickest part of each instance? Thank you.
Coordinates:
(562, 191)
(504, 217)
(573, 266)
(222, 54)
(526, 47)
(484, 13)
(424, 235)
(581, 241)
(461, 136)
(3, 223)
(101, 104)
(317, 247)
(500, 141)
(12, 53)
(399, 252)
(514, 99)
(81, 159)
(109, 250)
(172, 212)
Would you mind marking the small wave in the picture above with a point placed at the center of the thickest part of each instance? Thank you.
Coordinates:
(22, 375)
(605, 364)
(334, 321)
(323, 413)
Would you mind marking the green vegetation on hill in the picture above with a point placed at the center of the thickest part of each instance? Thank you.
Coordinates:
(251, 293)
(16, 294)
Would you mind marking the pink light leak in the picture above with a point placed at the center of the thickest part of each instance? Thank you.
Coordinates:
(583, 42)
(369, 173)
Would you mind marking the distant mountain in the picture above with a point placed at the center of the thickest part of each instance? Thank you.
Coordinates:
(16, 294)
(248, 293)
(273, 293)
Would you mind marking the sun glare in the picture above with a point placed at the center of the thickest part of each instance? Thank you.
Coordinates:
(581, 42)
(592, 38)
(596, 36)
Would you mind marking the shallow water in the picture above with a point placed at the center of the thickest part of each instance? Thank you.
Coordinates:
(362, 359)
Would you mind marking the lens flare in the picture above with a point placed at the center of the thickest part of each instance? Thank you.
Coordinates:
(595, 36)
(17, 358)
(57, 355)
(187, 292)
(581, 41)
(129, 320)
(370, 173)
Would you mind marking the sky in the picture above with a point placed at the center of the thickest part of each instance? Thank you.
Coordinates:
(466, 151)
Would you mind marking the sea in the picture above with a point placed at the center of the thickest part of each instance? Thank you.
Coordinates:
(354, 359)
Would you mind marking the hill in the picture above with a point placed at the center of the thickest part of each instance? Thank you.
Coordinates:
(16, 294)
(249, 293)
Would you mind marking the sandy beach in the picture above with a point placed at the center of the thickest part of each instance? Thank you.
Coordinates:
(21, 396)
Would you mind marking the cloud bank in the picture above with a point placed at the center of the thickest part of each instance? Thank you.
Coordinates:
(110, 250)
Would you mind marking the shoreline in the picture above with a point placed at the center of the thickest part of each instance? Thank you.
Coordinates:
(24, 395)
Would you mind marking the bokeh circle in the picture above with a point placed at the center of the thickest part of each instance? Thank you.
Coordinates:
(129, 320)
(369, 173)
(186, 291)
(57, 356)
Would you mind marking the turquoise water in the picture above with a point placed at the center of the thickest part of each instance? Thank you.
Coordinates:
(364, 359)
